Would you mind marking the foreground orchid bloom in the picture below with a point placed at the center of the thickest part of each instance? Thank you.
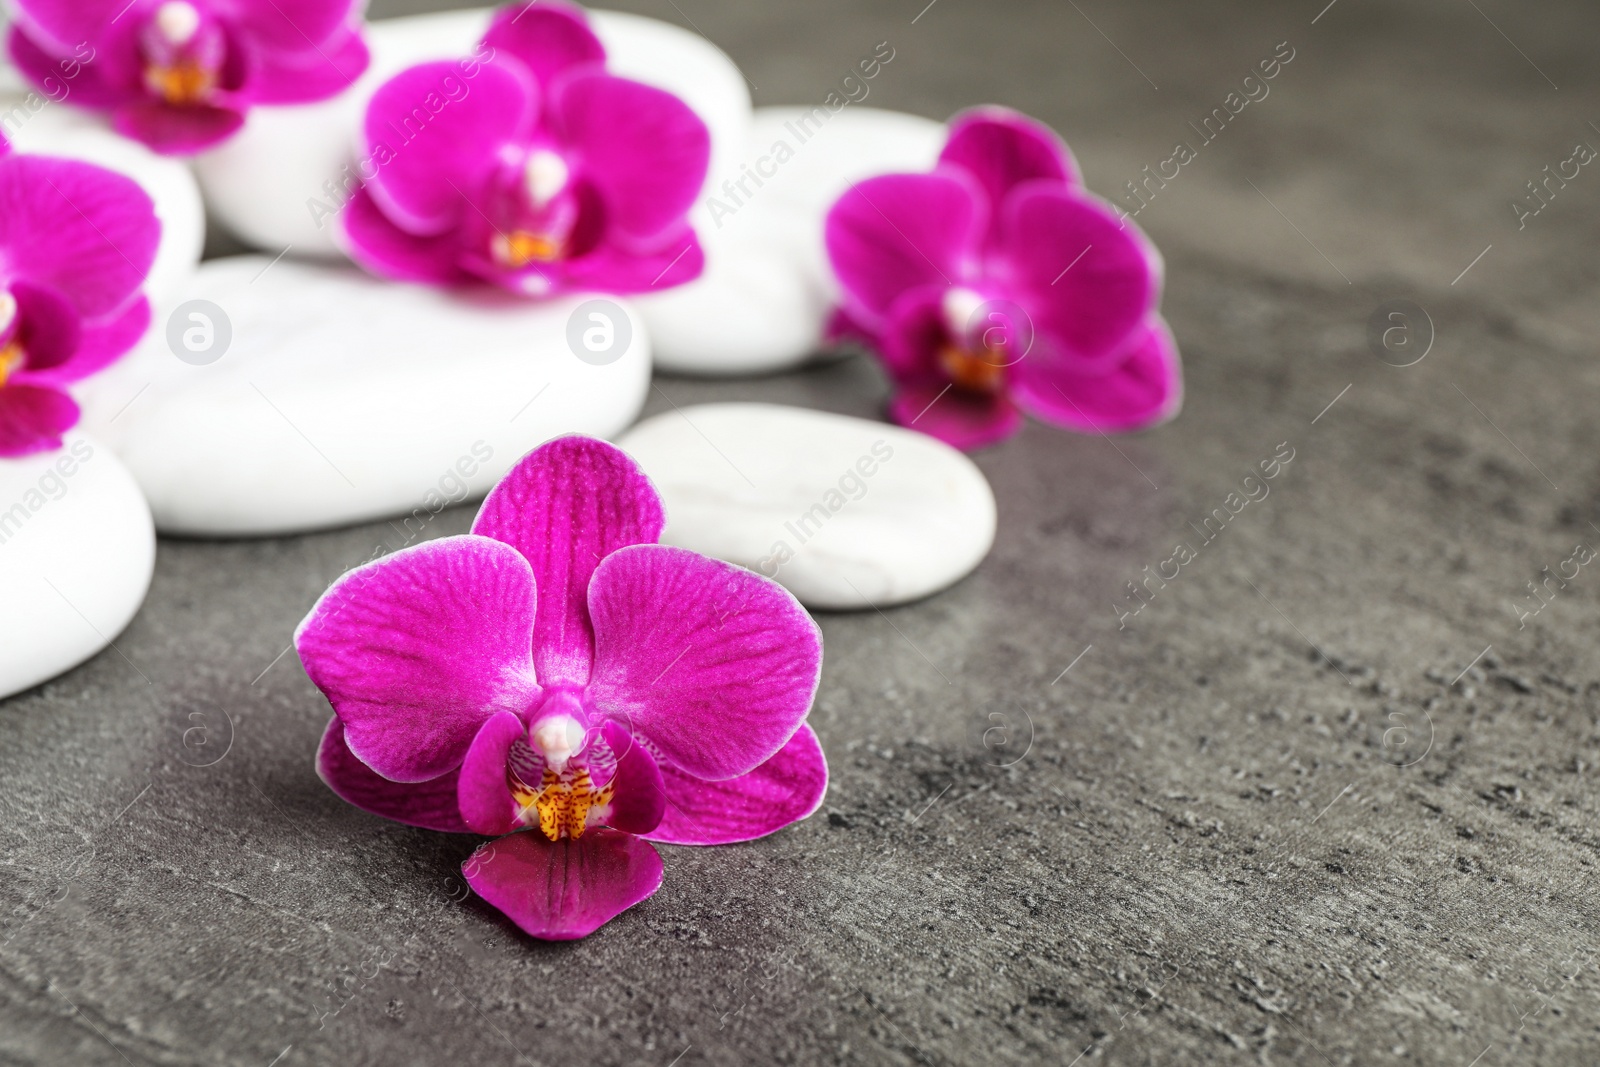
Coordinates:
(996, 285)
(557, 676)
(535, 171)
(76, 242)
(179, 75)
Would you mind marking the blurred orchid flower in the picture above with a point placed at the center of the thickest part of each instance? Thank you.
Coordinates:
(995, 285)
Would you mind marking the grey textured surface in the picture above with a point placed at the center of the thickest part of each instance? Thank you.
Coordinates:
(1268, 821)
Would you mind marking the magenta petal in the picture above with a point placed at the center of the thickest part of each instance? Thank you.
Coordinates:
(783, 790)
(435, 151)
(1147, 388)
(609, 269)
(430, 804)
(66, 20)
(960, 419)
(566, 506)
(177, 131)
(712, 664)
(90, 88)
(567, 889)
(1088, 280)
(1001, 149)
(48, 327)
(301, 77)
(105, 341)
(484, 794)
(913, 337)
(898, 232)
(640, 798)
(33, 418)
(386, 250)
(86, 232)
(288, 25)
(546, 37)
(418, 649)
(644, 149)
(843, 328)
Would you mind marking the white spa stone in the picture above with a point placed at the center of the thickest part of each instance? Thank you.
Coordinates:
(343, 398)
(64, 131)
(844, 512)
(76, 553)
(263, 182)
(767, 290)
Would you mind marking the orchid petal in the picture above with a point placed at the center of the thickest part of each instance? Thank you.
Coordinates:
(1087, 279)
(1145, 389)
(566, 506)
(898, 232)
(33, 418)
(92, 87)
(609, 269)
(301, 77)
(430, 804)
(567, 889)
(843, 328)
(959, 418)
(286, 25)
(417, 650)
(644, 149)
(912, 337)
(435, 150)
(715, 666)
(86, 232)
(639, 797)
(1002, 149)
(64, 20)
(549, 38)
(177, 131)
(49, 328)
(783, 790)
(103, 342)
(486, 803)
(386, 250)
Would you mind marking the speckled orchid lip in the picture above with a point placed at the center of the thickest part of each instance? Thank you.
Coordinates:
(76, 242)
(995, 285)
(559, 678)
(546, 175)
(180, 75)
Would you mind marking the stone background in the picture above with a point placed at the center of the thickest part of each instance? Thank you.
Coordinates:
(1275, 818)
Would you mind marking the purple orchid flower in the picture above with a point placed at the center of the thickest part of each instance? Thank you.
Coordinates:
(535, 171)
(179, 75)
(76, 242)
(996, 285)
(558, 677)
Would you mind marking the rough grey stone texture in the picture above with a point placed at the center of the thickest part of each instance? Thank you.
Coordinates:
(1268, 821)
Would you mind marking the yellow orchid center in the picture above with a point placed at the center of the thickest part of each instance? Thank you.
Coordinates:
(977, 372)
(10, 360)
(563, 801)
(522, 247)
(11, 353)
(545, 176)
(185, 82)
(180, 77)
